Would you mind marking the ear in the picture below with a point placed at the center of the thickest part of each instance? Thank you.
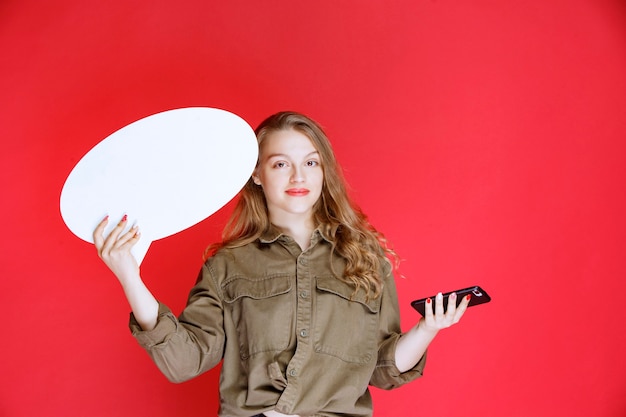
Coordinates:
(256, 178)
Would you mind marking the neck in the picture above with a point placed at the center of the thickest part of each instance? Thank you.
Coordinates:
(300, 231)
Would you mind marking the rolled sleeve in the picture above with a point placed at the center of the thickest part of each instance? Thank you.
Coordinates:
(386, 374)
(166, 325)
(185, 347)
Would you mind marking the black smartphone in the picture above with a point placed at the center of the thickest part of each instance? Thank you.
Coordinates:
(478, 296)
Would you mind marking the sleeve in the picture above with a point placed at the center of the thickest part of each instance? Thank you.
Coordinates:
(185, 347)
(386, 374)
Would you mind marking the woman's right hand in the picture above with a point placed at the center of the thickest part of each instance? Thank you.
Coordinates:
(115, 249)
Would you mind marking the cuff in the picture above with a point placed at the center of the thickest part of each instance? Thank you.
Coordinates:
(166, 325)
(387, 375)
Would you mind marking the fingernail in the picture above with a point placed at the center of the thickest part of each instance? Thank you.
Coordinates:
(453, 295)
(105, 218)
(125, 218)
(428, 301)
(468, 297)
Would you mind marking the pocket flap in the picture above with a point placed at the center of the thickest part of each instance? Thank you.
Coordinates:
(257, 288)
(344, 290)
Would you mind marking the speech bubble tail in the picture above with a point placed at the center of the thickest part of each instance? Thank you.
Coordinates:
(141, 248)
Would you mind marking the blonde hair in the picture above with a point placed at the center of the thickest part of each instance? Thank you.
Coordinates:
(364, 249)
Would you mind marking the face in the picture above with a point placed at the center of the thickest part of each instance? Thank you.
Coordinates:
(291, 175)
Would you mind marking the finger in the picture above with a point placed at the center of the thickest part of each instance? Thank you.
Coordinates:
(451, 310)
(462, 307)
(98, 239)
(428, 310)
(111, 239)
(129, 238)
(439, 305)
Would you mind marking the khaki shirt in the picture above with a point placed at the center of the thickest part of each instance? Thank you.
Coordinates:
(292, 337)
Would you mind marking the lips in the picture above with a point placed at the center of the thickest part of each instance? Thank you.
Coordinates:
(297, 192)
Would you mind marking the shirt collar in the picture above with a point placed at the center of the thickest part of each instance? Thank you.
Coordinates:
(273, 234)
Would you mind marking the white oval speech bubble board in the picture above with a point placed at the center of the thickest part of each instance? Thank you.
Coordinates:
(167, 172)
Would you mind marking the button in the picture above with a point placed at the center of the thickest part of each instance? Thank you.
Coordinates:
(293, 372)
(303, 261)
(304, 294)
(304, 333)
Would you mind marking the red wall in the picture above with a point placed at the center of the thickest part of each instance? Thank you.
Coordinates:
(485, 138)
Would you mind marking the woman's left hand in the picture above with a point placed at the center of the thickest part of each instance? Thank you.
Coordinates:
(413, 344)
(438, 319)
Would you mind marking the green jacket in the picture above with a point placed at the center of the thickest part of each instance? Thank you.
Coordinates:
(292, 336)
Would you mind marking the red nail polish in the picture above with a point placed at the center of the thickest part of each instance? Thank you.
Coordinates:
(124, 218)
(428, 300)
(105, 218)
(468, 297)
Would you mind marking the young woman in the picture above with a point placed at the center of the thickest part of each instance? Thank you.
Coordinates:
(298, 300)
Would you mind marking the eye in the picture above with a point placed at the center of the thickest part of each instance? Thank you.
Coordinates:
(280, 164)
(312, 163)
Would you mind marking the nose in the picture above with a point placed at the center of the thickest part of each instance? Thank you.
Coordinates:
(297, 175)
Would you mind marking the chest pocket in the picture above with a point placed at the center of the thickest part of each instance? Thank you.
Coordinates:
(346, 325)
(262, 312)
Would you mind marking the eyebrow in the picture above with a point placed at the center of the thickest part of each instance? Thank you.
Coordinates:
(282, 155)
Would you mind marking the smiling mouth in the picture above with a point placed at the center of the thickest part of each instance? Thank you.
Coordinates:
(297, 192)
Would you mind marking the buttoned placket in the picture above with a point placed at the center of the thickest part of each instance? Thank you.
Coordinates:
(303, 299)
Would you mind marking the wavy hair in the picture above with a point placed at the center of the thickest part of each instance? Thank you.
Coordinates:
(364, 249)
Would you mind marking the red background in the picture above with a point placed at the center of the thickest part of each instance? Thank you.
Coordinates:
(485, 138)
